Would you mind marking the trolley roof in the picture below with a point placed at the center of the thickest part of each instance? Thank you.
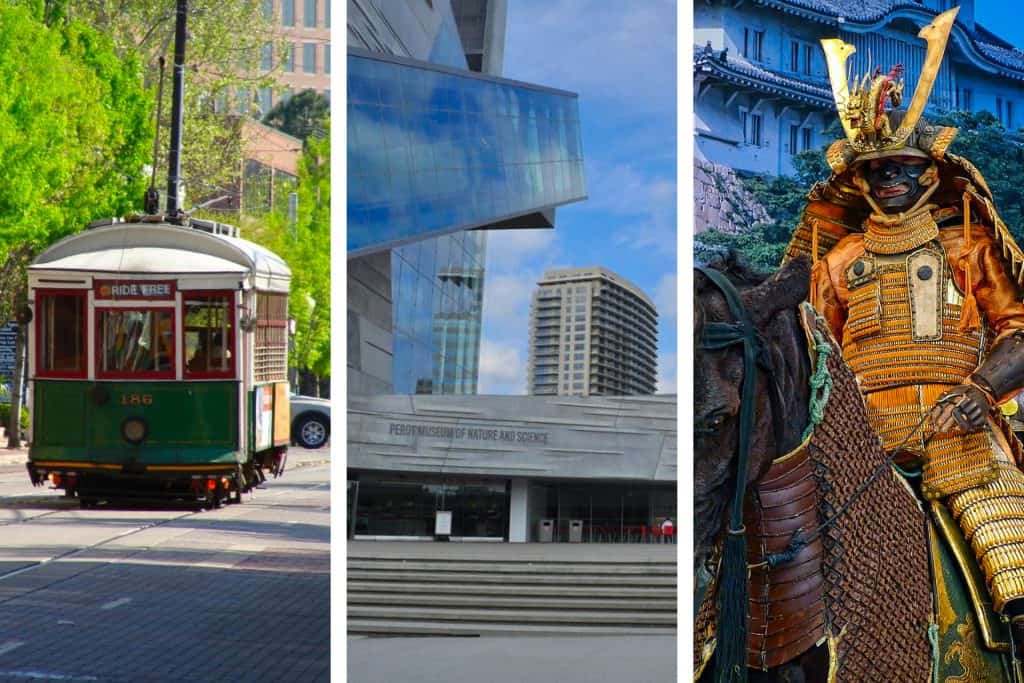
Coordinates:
(164, 249)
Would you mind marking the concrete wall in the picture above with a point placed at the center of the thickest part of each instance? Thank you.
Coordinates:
(620, 438)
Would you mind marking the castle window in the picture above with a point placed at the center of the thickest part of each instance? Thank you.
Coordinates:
(753, 44)
(756, 129)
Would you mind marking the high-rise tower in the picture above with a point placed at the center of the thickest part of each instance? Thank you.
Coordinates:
(592, 333)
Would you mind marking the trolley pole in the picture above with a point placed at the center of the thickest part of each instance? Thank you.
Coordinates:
(177, 107)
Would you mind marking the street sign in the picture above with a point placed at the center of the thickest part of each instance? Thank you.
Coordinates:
(8, 337)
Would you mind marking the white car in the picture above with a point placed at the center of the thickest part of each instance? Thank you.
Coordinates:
(311, 421)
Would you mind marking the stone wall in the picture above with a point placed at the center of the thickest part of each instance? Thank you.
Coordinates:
(721, 202)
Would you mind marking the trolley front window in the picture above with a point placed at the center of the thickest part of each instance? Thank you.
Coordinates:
(61, 335)
(209, 335)
(135, 343)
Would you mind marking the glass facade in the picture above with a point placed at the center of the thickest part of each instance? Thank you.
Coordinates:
(396, 506)
(437, 295)
(611, 512)
(432, 152)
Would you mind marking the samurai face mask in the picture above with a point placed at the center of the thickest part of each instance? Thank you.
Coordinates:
(895, 181)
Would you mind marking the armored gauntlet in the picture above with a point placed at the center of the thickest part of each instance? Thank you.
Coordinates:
(1000, 376)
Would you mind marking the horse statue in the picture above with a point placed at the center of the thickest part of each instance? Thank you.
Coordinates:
(814, 558)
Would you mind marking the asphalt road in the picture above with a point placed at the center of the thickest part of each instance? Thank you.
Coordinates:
(119, 595)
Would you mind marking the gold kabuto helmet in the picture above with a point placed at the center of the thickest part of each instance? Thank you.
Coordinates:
(838, 206)
(871, 130)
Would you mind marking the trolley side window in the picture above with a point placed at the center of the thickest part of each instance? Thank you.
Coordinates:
(61, 335)
(135, 343)
(271, 363)
(209, 335)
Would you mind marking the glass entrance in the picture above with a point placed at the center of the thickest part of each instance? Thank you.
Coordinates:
(406, 506)
(611, 512)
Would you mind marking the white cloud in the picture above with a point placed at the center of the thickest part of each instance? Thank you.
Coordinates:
(665, 295)
(629, 48)
(667, 373)
(645, 203)
(502, 368)
(516, 246)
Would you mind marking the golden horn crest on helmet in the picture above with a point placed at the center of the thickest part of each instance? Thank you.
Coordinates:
(862, 109)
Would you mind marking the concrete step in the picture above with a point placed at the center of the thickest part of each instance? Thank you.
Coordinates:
(512, 616)
(618, 569)
(398, 590)
(539, 579)
(518, 602)
(442, 628)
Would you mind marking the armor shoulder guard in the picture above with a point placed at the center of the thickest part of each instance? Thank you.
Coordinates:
(983, 211)
(833, 211)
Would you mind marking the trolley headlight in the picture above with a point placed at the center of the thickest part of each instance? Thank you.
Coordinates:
(134, 430)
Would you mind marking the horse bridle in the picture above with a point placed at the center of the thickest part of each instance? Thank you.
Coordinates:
(720, 335)
(717, 336)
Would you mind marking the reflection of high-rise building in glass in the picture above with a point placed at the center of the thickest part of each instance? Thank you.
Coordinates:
(437, 154)
(592, 332)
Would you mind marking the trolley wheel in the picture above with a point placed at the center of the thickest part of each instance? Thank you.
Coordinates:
(312, 431)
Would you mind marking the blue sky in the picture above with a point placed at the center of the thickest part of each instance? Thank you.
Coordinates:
(1001, 18)
(621, 59)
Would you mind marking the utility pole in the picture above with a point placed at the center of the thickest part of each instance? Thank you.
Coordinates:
(177, 111)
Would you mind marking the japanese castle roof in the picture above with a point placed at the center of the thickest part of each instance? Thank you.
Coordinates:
(990, 51)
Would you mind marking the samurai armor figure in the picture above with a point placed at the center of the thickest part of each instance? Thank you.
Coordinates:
(920, 280)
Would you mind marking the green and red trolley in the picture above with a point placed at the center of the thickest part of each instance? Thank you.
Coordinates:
(158, 362)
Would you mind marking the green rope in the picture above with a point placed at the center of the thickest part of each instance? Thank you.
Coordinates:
(821, 384)
(933, 638)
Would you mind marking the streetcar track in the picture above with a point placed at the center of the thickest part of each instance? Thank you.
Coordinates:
(145, 527)
(78, 551)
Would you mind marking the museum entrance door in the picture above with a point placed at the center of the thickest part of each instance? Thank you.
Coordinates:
(611, 512)
(405, 506)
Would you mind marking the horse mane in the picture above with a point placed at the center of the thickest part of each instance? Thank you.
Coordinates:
(732, 265)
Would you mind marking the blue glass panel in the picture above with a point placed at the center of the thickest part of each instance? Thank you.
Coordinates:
(432, 152)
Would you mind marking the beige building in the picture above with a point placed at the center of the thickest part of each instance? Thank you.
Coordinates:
(305, 62)
(592, 333)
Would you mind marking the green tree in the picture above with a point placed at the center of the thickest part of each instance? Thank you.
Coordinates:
(302, 116)
(72, 148)
(999, 155)
(305, 245)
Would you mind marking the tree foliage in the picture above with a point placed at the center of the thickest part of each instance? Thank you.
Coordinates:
(763, 245)
(999, 155)
(74, 132)
(305, 245)
(227, 40)
(71, 148)
(302, 116)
